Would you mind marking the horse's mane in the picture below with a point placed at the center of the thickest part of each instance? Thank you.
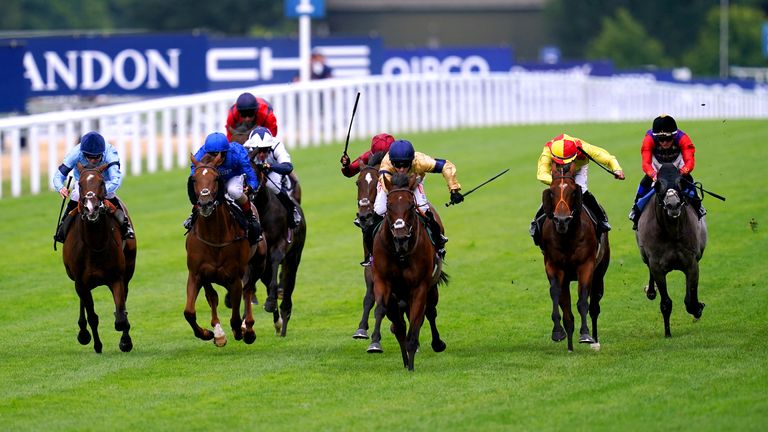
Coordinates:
(400, 180)
(668, 174)
(376, 158)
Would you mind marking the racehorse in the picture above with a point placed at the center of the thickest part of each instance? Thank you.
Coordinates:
(367, 181)
(572, 252)
(672, 237)
(406, 272)
(217, 252)
(284, 248)
(95, 254)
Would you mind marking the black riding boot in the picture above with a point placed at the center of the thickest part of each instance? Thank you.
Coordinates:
(254, 226)
(368, 234)
(437, 237)
(294, 216)
(634, 214)
(126, 230)
(66, 220)
(602, 219)
(536, 223)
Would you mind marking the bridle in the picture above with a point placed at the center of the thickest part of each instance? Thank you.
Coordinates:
(207, 200)
(400, 230)
(92, 205)
(364, 203)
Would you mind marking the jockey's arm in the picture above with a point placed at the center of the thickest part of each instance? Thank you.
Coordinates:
(282, 160)
(646, 151)
(114, 176)
(602, 156)
(69, 163)
(687, 150)
(544, 167)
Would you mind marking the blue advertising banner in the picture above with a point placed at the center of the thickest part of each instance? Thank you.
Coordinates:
(13, 90)
(296, 8)
(473, 60)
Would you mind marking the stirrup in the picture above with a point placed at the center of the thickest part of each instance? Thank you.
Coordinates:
(187, 223)
(368, 262)
(357, 222)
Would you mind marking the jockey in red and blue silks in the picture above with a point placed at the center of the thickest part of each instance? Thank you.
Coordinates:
(95, 151)
(235, 171)
(665, 143)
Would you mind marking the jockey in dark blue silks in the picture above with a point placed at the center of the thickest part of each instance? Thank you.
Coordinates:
(234, 171)
(95, 151)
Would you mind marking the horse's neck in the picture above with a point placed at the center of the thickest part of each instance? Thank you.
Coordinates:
(218, 224)
(96, 235)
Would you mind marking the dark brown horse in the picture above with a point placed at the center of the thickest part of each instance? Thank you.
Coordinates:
(217, 252)
(284, 248)
(406, 272)
(672, 237)
(572, 253)
(367, 181)
(95, 254)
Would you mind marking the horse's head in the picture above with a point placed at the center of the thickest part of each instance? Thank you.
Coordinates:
(668, 190)
(93, 191)
(367, 182)
(562, 201)
(401, 210)
(205, 188)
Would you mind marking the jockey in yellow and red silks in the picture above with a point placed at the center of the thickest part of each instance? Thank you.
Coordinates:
(564, 149)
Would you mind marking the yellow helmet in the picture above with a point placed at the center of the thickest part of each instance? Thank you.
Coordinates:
(563, 148)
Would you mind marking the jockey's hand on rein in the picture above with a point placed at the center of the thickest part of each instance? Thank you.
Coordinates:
(456, 197)
(344, 160)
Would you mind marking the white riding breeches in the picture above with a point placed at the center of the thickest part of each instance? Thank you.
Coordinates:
(580, 177)
(380, 205)
(235, 187)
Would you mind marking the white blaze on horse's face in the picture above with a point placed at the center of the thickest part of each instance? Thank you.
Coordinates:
(90, 177)
(368, 178)
(205, 171)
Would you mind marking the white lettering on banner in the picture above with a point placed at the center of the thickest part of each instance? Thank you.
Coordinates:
(215, 55)
(147, 68)
(431, 64)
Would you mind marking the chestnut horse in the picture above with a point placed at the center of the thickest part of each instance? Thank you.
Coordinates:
(672, 237)
(572, 252)
(406, 272)
(95, 254)
(217, 252)
(284, 248)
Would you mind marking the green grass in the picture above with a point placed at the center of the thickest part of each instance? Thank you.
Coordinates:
(500, 371)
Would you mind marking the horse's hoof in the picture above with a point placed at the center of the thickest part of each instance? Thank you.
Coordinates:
(126, 345)
(219, 338)
(650, 293)
(249, 337)
(278, 326)
(438, 346)
(97, 347)
(84, 337)
(360, 334)
(558, 336)
(375, 348)
(585, 338)
(595, 346)
(270, 305)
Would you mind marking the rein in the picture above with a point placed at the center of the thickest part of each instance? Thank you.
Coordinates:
(206, 192)
(562, 188)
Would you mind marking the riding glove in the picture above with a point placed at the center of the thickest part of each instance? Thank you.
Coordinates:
(456, 197)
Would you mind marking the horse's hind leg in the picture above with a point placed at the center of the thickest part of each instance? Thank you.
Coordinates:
(598, 287)
(288, 281)
(83, 336)
(558, 333)
(692, 304)
(368, 302)
(249, 335)
(119, 291)
(650, 289)
(86, 300)
(431, 313)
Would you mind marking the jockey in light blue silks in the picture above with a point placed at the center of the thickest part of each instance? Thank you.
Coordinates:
(92, 150)
(235, 171)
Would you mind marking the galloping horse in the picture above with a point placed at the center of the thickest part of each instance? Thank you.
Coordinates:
(367, 181)
(95, 254)
(406, 272)
(672, 237)
(217, 252)
(572, 252)
(284, 248)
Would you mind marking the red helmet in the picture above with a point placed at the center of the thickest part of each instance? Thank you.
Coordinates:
(381, 142)
(563, 148)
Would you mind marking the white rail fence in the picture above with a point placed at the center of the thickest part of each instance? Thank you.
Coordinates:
(160, 133)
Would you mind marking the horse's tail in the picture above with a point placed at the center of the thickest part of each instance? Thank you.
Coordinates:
(443, 279)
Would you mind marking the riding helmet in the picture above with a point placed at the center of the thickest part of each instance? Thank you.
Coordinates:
(216, 142)
(664, 124)
(564, 149)
(401, 151)
(381, 142)
(260, 137)
(92, 143)
(246, 101)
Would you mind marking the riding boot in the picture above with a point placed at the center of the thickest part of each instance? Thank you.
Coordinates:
(66, 220)
(536, 223)
(602, 219)
(368, 233)
(437, 237)
(254, 226)
(294, 216)
(696, 204)
(126, 230)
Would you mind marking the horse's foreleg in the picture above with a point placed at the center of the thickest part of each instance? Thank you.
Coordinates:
(582, 304)
(565, 306)
(650, 289)
(598, 287)
(249, 335)
(418, 305)
(86, 300)
(270, 281)
(665, 304)
(83, 336)
(692, 304)
(558, 333)
(193, 289)
(368, 302)
(121, 315)
(288, 281)
(381, 295)
(235, 321)
(398, 328)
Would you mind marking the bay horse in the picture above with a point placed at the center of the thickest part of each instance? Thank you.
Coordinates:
(95, 254)
(406, 272)
(572, 252)
(284, 249)
(672, 237)
(367, 181)
(218, 252)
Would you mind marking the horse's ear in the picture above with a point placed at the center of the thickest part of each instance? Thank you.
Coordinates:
(546, 201)
(387, 181)
(412, 181)
(193, 160)
(102, 168)
(218, 160)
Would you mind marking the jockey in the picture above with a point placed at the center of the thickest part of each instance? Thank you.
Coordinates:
(247, 113)
(234, 171)
(665, 143)
(564, 149)
(275, 160)
(92, 150)
(379, 143)
(404, 160)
